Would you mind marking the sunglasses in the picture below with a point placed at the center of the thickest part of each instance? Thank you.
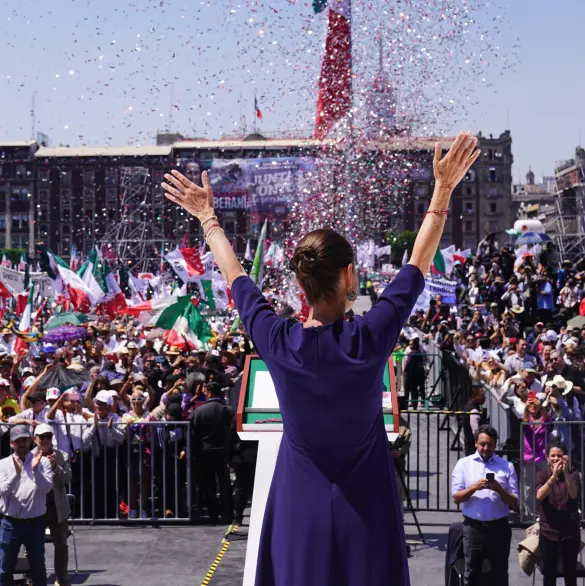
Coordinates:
(137, 400)
(45, 436)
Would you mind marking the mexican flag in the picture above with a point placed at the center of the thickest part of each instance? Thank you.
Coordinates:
(257, 272)
(20, 346)
(335, 97)
(186, 327)
(150, 309)
(86, 272)
(65, 280)
(444, 260)
(216, 293)
(186, 263)
(114, 300)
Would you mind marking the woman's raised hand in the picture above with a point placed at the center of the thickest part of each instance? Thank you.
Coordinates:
(198, 201)
(450, 170)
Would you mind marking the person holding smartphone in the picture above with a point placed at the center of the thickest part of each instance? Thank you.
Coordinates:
(486, 487)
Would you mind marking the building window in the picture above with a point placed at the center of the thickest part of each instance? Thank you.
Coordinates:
(468, 207)
(111, 195)
(111, 176)
(469, 190)
(2, 221)
(88, 176)
(88, 194)
(66, 197)
(20, 171)
(470, 175)
(43, 195)
(66, 214)
(492, 175)
(468, 226)
(19, 194)
(20, 221)
(493, 208)
(468, 243)
(43, 175)
(66, 178)
(112, 213)
(493, 226)
(420, 208)
(66, 229)
(43, 229)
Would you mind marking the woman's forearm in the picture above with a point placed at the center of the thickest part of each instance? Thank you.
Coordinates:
(431, 230)
(224, 256)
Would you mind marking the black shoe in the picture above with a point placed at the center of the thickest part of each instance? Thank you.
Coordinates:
(408, 552)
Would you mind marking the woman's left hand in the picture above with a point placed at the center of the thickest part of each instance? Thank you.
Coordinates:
(198, 201)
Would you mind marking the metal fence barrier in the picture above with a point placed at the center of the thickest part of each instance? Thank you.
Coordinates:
(430, 384)
(135, 471)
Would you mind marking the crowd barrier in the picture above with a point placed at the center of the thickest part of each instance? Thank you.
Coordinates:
(135, 471)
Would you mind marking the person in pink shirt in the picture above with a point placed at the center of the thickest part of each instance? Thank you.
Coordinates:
(536, 428)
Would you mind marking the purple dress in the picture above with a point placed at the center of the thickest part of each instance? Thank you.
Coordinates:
(333, 516)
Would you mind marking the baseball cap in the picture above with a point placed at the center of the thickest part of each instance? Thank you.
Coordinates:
(43, 428)
(73, 395)
(104, 397)
(19, 431)
(53, 393)
(4, 382)
(28, 381)
(131, 346)
(112, 393)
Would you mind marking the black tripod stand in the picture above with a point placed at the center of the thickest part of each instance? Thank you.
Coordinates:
(409, 504)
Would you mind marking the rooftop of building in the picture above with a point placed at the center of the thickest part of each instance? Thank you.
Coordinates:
(252, 142)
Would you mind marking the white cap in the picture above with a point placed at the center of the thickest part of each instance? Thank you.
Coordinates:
(53, 393)
(104, 397)
(28, 381)
(43, 428)
(112, 393)
(4, 382)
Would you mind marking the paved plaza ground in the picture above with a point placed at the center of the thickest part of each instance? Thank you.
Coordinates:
(181, 556)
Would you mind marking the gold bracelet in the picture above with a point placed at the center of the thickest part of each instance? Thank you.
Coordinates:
(213, 217)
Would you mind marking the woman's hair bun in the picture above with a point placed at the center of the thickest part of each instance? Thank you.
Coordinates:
(304, 261)
(317, 260)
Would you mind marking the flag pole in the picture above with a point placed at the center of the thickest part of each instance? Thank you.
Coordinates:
(255, 129)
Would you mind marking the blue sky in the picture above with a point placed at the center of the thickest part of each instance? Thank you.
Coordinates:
(102, 72)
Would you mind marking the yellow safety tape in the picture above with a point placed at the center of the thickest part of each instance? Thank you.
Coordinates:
(225, 543)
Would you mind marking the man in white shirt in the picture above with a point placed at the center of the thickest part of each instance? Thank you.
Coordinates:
(25, 480)
(486, 487)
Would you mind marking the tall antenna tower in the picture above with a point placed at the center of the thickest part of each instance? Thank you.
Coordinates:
(138, 236)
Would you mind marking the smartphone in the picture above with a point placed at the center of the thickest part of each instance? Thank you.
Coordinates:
(159, 359)
(490, 476)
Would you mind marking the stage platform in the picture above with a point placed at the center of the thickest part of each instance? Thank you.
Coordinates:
(182, 556)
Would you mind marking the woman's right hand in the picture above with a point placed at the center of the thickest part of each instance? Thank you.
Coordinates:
(198, 201)
(450, 170)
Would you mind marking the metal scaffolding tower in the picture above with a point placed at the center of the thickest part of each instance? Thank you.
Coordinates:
(568, 225)
(138, 236)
